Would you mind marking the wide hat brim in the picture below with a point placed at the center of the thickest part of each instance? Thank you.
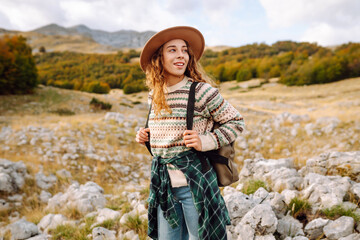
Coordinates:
(191, 35)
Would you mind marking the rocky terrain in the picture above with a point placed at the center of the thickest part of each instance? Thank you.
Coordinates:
(84, 177)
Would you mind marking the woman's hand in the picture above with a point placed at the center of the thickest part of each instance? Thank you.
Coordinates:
(142, 135)
(192, 139)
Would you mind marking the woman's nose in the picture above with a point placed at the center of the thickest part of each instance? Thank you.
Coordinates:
(180, 54)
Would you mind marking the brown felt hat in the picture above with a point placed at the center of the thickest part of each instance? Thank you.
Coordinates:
(191, 35)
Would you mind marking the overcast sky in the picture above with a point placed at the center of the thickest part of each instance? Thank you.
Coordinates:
(223, 22)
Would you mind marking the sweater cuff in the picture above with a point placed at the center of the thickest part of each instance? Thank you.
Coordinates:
(207, 142)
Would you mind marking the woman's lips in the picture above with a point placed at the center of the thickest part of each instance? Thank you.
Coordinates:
(179, 64)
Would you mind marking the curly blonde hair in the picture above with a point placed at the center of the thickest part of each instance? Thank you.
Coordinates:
(156, 81)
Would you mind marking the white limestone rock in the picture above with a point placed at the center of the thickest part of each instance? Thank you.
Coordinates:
(100, 233)
(51, 221)
(266, 237)
(261, 220)
(354, 236)
(314, 229)
(341, 227)
(296, 238)
(335, 163)
(289, 227)
(355, 189)
(238, 204)
(23, 229)
(85, 198)
(41, 237)
(45, 182)
(325, 191)
(4, 205)
(274, 199)
(12, 175)
(289, 195)
(106, 214)
(45, 196)
(63, 173)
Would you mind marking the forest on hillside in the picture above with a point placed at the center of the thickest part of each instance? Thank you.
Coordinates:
(294, 63)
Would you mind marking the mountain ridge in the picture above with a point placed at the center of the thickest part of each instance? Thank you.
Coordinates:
(81, 38)
(117, 39)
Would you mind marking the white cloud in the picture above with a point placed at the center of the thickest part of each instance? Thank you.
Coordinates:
(328, 22)
(28, 15)
(327, 35)
(284, 13)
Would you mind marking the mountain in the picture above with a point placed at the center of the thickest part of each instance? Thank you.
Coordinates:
(119, 39)
(81, 38)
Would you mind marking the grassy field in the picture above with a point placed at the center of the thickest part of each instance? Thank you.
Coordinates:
(69, 115)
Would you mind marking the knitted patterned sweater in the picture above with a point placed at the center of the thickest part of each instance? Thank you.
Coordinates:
(167, 129)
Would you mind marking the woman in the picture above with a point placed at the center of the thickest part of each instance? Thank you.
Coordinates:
(184, 201)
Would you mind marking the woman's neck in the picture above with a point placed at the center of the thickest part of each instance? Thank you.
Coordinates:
(172, 80)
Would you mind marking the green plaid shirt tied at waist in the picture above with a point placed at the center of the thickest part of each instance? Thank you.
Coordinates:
(210, 205)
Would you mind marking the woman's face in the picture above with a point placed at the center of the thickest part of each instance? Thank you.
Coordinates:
(176, 57)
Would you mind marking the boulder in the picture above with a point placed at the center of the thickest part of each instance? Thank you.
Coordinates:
(238, 204)
(325, 191)
(100, 233)
(314, 229)
(341, 227)
(296, 238)
(289, 195)
(266, 237)
(274, 199)
(51, 221)
(259, 221)
(45, 182)
(289, 227)
(335, 163)
(85, 198)
(4, 206)
(106, 214)
(41, 237)
(12, 176)
(23, 229)
(354, 236)
(44, 196)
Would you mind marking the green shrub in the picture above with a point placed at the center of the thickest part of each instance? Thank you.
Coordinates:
(138, 225)
(134, 87)
(338, 211)
(68, 232)
(96, 87)
(63, 112)
(110, 224)
(97, 104)
(298, 207)
(252, 186)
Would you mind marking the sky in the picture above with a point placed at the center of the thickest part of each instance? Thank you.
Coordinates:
(222, 22)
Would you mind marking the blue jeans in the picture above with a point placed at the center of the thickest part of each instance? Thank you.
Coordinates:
(188, 216)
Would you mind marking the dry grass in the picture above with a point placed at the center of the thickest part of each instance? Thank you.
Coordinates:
(15, 111)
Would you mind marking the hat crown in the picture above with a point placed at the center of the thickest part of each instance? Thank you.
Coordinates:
(189, 34)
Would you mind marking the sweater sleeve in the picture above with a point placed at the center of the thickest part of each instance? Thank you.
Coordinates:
(221, 111)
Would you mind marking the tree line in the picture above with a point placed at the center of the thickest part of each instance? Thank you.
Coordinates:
(294, 63)
(91, 72)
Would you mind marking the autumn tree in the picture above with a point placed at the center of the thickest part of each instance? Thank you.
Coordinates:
(18, 73)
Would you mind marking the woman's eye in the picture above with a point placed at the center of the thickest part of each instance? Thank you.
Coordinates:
(172, 50)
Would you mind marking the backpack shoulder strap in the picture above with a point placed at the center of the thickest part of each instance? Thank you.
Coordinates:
(189, 124)
(191, 106)
(147, 144)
